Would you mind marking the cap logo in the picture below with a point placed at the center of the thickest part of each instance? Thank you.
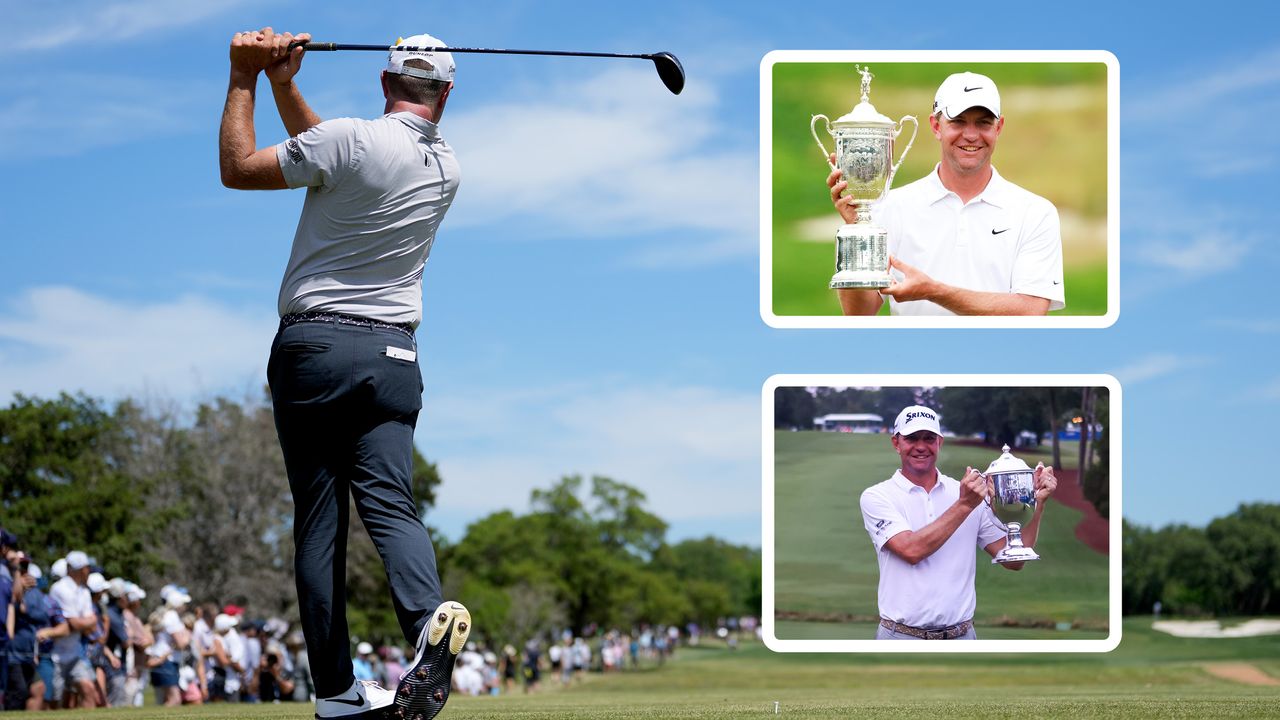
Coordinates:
(913, 415)
(971, 89)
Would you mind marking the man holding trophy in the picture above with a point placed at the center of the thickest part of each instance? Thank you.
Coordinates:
(924, 526)
(964, 240)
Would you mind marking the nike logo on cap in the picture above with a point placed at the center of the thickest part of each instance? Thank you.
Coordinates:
(971, 89)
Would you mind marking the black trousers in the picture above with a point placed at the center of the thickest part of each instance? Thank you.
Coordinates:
(345, 411)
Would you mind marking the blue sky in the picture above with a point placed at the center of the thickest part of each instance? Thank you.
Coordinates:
(591, 303)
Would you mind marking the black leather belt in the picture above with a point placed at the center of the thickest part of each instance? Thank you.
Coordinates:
(947, 633)
(340, 319)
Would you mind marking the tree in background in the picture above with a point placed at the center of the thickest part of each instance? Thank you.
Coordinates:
(63, 487)
(1096, 479)
(1229, 567)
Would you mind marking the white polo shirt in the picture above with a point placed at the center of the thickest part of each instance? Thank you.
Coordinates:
(1005, 240)
(76, 602)
(938, 591)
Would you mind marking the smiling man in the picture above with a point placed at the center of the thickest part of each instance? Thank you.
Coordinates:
(964, 240)
(924, 526)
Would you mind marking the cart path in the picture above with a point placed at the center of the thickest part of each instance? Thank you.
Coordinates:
(1093, 529)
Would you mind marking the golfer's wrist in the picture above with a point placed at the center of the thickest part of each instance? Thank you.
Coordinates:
(241, 76)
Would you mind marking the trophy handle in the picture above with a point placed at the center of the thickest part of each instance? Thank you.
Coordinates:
(902, 125)
(813, 128)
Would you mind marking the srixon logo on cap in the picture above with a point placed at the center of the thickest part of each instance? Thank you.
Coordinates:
(913, 415)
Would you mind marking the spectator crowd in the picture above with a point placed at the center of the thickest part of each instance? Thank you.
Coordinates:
(72, 638)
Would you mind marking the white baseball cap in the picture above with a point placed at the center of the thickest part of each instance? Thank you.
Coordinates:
(59, 568)
(224, 622)
(176, 597)
(34, 570)
(961, 91)
(442, 67)
(915, 418)
(364, 648)
(97, 583)
(136, 593)
(76, 560)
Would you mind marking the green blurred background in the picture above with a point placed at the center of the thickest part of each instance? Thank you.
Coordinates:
(825, 570)
(1054, 143)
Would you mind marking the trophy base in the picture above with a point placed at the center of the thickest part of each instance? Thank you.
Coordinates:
(1014, 555)
(860, 280)
(862, 258)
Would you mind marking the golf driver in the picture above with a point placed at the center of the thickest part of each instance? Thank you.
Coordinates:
(669, 68)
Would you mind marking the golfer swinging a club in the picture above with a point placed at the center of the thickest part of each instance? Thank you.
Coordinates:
(345, 384)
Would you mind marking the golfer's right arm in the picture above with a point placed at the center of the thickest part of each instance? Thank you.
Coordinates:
(243, 167)
(916, 545)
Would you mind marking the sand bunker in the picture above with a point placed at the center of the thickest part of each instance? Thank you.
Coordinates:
(1214, 629)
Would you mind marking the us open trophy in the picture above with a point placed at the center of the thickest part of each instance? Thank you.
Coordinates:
(864, 155)
(1013, 502)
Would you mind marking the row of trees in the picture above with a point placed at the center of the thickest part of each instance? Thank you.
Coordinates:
(1230, 567)
(202, 499)
(996, 414)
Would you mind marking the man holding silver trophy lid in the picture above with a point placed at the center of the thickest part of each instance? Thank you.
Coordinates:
(964, 240)
(925, 525)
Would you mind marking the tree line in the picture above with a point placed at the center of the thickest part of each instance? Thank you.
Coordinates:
(995, 414)
(158, 494)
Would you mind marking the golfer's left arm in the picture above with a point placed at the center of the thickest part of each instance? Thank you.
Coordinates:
(1045, 484)
(295, 113)
(916, 285)
(243, 167)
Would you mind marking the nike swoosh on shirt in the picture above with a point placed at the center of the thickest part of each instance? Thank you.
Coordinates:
(973, 88)
(997, 232)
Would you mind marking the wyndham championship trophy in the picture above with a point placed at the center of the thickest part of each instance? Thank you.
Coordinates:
(1013, 502)
(864, 155)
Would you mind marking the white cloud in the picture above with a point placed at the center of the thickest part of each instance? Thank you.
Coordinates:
(1206, 253)
(124, 109)
(615, 156)
(49, 26)
(60, 338)
(694, 451)
(1156, 366)
(1258, 326)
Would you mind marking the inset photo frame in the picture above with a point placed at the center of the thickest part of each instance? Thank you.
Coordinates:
(876, 525)
(1000, 217)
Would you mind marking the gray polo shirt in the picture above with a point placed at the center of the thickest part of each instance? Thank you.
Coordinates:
(376, 193)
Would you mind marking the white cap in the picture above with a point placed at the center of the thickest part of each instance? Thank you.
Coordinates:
(34, 570)
(175, 597)
(135, 593)
(224, 622)
(364, 648)
(961, 91)
(76, 560)
(119, 586)
(442, 67)
(97, 583)
(59, 568)
(916, 418)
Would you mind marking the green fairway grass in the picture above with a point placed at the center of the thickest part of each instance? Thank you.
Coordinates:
(825, 565)
(1053, 144)
(1151, 675)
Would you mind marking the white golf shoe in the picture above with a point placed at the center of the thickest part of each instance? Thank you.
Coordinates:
(424, 687)
(364, 700)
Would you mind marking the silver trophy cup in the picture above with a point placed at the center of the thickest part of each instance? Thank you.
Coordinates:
(1013, 502)
(864, 155)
